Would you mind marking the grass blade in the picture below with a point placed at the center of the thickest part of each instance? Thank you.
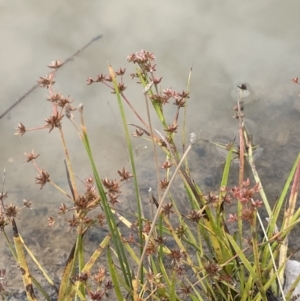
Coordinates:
(23, 263)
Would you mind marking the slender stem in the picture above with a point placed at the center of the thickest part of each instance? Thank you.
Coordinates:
(134, 111)
(257, 179)
(242, 142)
(60, 189)
(289, 213)
(11, 248)
(154, 148)
(160, 206)
(68, 161)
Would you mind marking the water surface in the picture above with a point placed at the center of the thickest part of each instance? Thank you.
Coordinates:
(224, 42)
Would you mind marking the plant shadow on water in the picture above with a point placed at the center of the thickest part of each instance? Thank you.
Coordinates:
(181, 228)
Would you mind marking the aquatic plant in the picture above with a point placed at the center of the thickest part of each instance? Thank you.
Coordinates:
(210, 250)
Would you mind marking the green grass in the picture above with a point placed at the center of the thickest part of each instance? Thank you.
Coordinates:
(208, 260)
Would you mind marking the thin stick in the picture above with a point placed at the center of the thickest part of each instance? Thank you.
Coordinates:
(242, 141)
(37, 85)
(3, 195)
(160, 206)
(154, 149)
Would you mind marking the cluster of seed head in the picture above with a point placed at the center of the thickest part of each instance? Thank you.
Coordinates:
(99, 278)
(246, 196)
(61, 105)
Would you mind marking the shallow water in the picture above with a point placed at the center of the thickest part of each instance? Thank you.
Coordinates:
(224, 42)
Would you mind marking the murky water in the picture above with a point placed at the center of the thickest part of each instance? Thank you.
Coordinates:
(225, 43)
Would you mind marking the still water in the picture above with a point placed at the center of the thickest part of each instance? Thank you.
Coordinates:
(224, 42)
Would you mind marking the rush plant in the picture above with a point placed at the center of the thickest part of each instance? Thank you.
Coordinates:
(210, 250)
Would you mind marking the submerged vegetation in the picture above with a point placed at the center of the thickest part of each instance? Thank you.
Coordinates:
(216, 248)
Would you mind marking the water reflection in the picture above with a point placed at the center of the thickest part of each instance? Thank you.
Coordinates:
(223, 141)
(223, 147)
(242, 91)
